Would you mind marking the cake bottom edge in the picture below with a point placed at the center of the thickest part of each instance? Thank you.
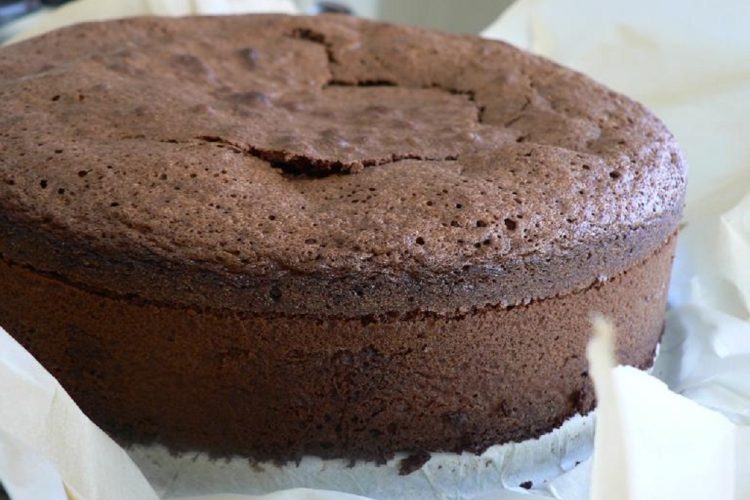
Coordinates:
(524, 465)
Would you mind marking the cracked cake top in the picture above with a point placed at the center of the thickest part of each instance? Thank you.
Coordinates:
(296, 165)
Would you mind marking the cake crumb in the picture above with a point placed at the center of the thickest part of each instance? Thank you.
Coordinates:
(413, 462)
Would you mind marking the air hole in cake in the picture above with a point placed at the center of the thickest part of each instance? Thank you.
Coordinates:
(615, 174)
(510, 224)
(251, 56)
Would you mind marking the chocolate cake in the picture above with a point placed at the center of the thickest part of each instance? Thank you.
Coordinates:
(276, 236)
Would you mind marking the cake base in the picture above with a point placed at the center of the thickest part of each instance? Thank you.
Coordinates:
(279, 388)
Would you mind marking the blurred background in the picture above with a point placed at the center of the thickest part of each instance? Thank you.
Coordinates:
(469, 16)
(450, 15)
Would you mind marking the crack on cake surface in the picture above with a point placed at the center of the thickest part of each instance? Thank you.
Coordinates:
(301, 165)
(518, 115)
(469, 94)
(310, 35)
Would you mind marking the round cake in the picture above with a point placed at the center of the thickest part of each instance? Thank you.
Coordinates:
(280, 236)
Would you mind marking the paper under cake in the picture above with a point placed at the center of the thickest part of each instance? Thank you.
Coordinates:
(281, 236)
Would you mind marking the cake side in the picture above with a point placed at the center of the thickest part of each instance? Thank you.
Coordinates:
(304, 166)
(278, 388)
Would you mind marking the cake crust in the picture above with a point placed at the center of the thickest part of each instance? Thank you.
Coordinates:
(203, 162)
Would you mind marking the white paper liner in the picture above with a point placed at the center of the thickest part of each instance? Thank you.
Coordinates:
(39, 419)
(690, 62)
(445, 475)
(652, 443)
